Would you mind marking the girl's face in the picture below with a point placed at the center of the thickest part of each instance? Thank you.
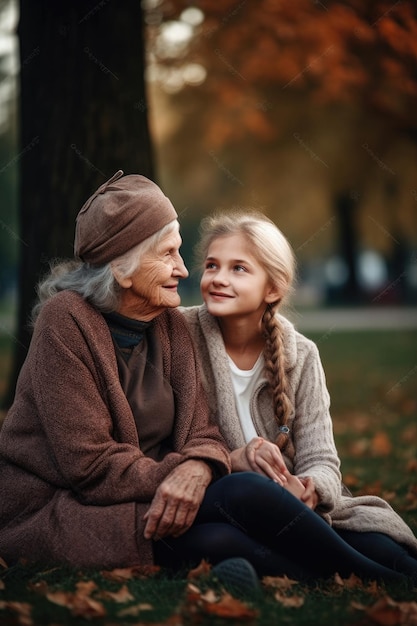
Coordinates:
(153, 287)
(233, 282)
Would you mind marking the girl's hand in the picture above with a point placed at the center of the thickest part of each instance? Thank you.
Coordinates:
(295, 486)
(177, 500)
(263, 457)
(310, 496)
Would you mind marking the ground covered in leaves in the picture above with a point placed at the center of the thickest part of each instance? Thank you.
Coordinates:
(137, 596)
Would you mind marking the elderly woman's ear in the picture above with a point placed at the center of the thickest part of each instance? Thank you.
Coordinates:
(124, 282)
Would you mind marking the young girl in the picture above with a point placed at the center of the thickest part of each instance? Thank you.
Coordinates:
(267, 388)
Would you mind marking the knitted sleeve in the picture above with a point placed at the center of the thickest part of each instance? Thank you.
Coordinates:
(316, 453)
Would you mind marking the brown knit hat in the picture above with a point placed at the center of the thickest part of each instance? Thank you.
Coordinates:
(120, 214)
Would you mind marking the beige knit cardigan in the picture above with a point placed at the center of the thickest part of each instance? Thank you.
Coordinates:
(310, 424)
(74, 483)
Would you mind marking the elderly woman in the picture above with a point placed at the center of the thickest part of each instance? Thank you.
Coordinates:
(108, 456)
(108, 415)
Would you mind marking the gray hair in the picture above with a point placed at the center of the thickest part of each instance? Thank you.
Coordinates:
(97, 284)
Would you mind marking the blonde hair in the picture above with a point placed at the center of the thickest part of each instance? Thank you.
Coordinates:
(275, 255)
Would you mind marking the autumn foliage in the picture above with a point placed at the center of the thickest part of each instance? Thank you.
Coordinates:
(363, 53)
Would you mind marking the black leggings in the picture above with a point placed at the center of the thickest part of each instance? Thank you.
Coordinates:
(247, 515)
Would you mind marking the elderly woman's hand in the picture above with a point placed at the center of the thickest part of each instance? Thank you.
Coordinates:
(177, 500)
(263, 457)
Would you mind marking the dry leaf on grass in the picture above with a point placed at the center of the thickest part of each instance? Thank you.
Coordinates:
(353, 582)
(211, 603)
(135, 610)
(388, 612)
(121, 574)
(290, 602)
(381, 444)
(283, 585)
(79, 602)
(123, 595)
(230, 607)
(279, 582)
(203, 569)
(23, 611)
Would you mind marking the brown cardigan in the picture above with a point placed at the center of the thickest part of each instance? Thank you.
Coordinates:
(74, 484)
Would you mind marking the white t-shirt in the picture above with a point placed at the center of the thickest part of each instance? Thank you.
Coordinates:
(244, 383)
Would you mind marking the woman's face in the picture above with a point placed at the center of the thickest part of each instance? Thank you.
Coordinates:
(153, 287)
(234, 283)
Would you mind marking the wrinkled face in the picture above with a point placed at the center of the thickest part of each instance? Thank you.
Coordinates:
(233, 282)
(154, 286)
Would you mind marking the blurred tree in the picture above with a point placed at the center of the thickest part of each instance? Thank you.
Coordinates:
(83, 116)
(347, 66)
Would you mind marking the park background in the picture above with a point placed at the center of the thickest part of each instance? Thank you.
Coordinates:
(304, 110)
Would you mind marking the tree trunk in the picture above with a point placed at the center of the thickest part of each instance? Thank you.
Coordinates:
(83, 116)
(350, 292)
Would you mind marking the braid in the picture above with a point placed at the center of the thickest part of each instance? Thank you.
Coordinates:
(275, 371)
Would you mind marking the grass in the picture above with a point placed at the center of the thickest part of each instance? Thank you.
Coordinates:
(372, 380)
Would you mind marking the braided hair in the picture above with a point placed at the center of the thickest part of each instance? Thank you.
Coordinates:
(274, 253)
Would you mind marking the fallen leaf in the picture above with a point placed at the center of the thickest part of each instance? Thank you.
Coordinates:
(350, 480)
(353, 582)
(289, 601)
(121, 574)
(210, 596)
(135, 609)
(193, 592)
(203, 569)
(79, 602)
(3, 563)
(388, 612)
(381, 444)
(23, 611)
(279, 582)
(123, 595)
(230, 607)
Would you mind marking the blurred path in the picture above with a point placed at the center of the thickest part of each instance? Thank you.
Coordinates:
(367, 318)
(355, 319)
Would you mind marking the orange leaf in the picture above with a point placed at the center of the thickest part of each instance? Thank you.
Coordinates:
(381, 444)
(291, 602)
(79, 602)
(23, 610)
(193, 593)
(230, 607)
(123, 595)
(127, 573)
(135, 609)
(390, 613)
(279, 582)
(202, 569)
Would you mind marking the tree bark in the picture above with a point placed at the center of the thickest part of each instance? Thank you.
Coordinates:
(83, 116)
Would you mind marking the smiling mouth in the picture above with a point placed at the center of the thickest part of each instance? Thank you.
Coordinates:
(217, 294)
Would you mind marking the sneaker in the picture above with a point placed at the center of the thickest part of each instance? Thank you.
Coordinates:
(238, 577)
